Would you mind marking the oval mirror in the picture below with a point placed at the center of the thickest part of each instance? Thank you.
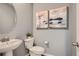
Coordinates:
(7, 17)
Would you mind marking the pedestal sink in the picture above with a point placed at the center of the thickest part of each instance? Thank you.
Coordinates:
(8, 46)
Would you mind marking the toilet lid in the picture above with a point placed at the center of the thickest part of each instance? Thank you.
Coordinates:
(37, 50)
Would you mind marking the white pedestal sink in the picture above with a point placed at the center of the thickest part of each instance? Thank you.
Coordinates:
(8, 46)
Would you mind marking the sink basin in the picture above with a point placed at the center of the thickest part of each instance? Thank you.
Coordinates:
(9, 45)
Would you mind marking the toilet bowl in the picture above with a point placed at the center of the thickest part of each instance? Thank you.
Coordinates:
(36, 51)
(33, 50)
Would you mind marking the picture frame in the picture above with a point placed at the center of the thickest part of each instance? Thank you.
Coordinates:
(42, 19)
(56, 18)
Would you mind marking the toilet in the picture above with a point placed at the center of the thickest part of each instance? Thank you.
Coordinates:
(33, 50)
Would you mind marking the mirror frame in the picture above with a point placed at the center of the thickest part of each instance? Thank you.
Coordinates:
(15, 18)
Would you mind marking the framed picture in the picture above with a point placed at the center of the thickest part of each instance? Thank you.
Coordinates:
(42, 20)
(58, 18)
(53, 19)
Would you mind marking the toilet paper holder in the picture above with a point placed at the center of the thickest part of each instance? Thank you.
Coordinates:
(46, 43)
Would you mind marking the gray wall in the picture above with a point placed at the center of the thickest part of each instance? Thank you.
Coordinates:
(59, 39)
(24, 25)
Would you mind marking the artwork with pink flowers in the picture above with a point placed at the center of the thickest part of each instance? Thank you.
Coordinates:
(53, 18)
(42, 19)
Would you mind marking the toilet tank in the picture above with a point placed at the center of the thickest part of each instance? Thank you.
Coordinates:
(29, 43)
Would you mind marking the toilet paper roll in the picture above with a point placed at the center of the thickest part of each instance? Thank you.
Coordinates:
(46, 43)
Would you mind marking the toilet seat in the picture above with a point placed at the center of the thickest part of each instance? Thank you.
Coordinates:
(37, 50)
